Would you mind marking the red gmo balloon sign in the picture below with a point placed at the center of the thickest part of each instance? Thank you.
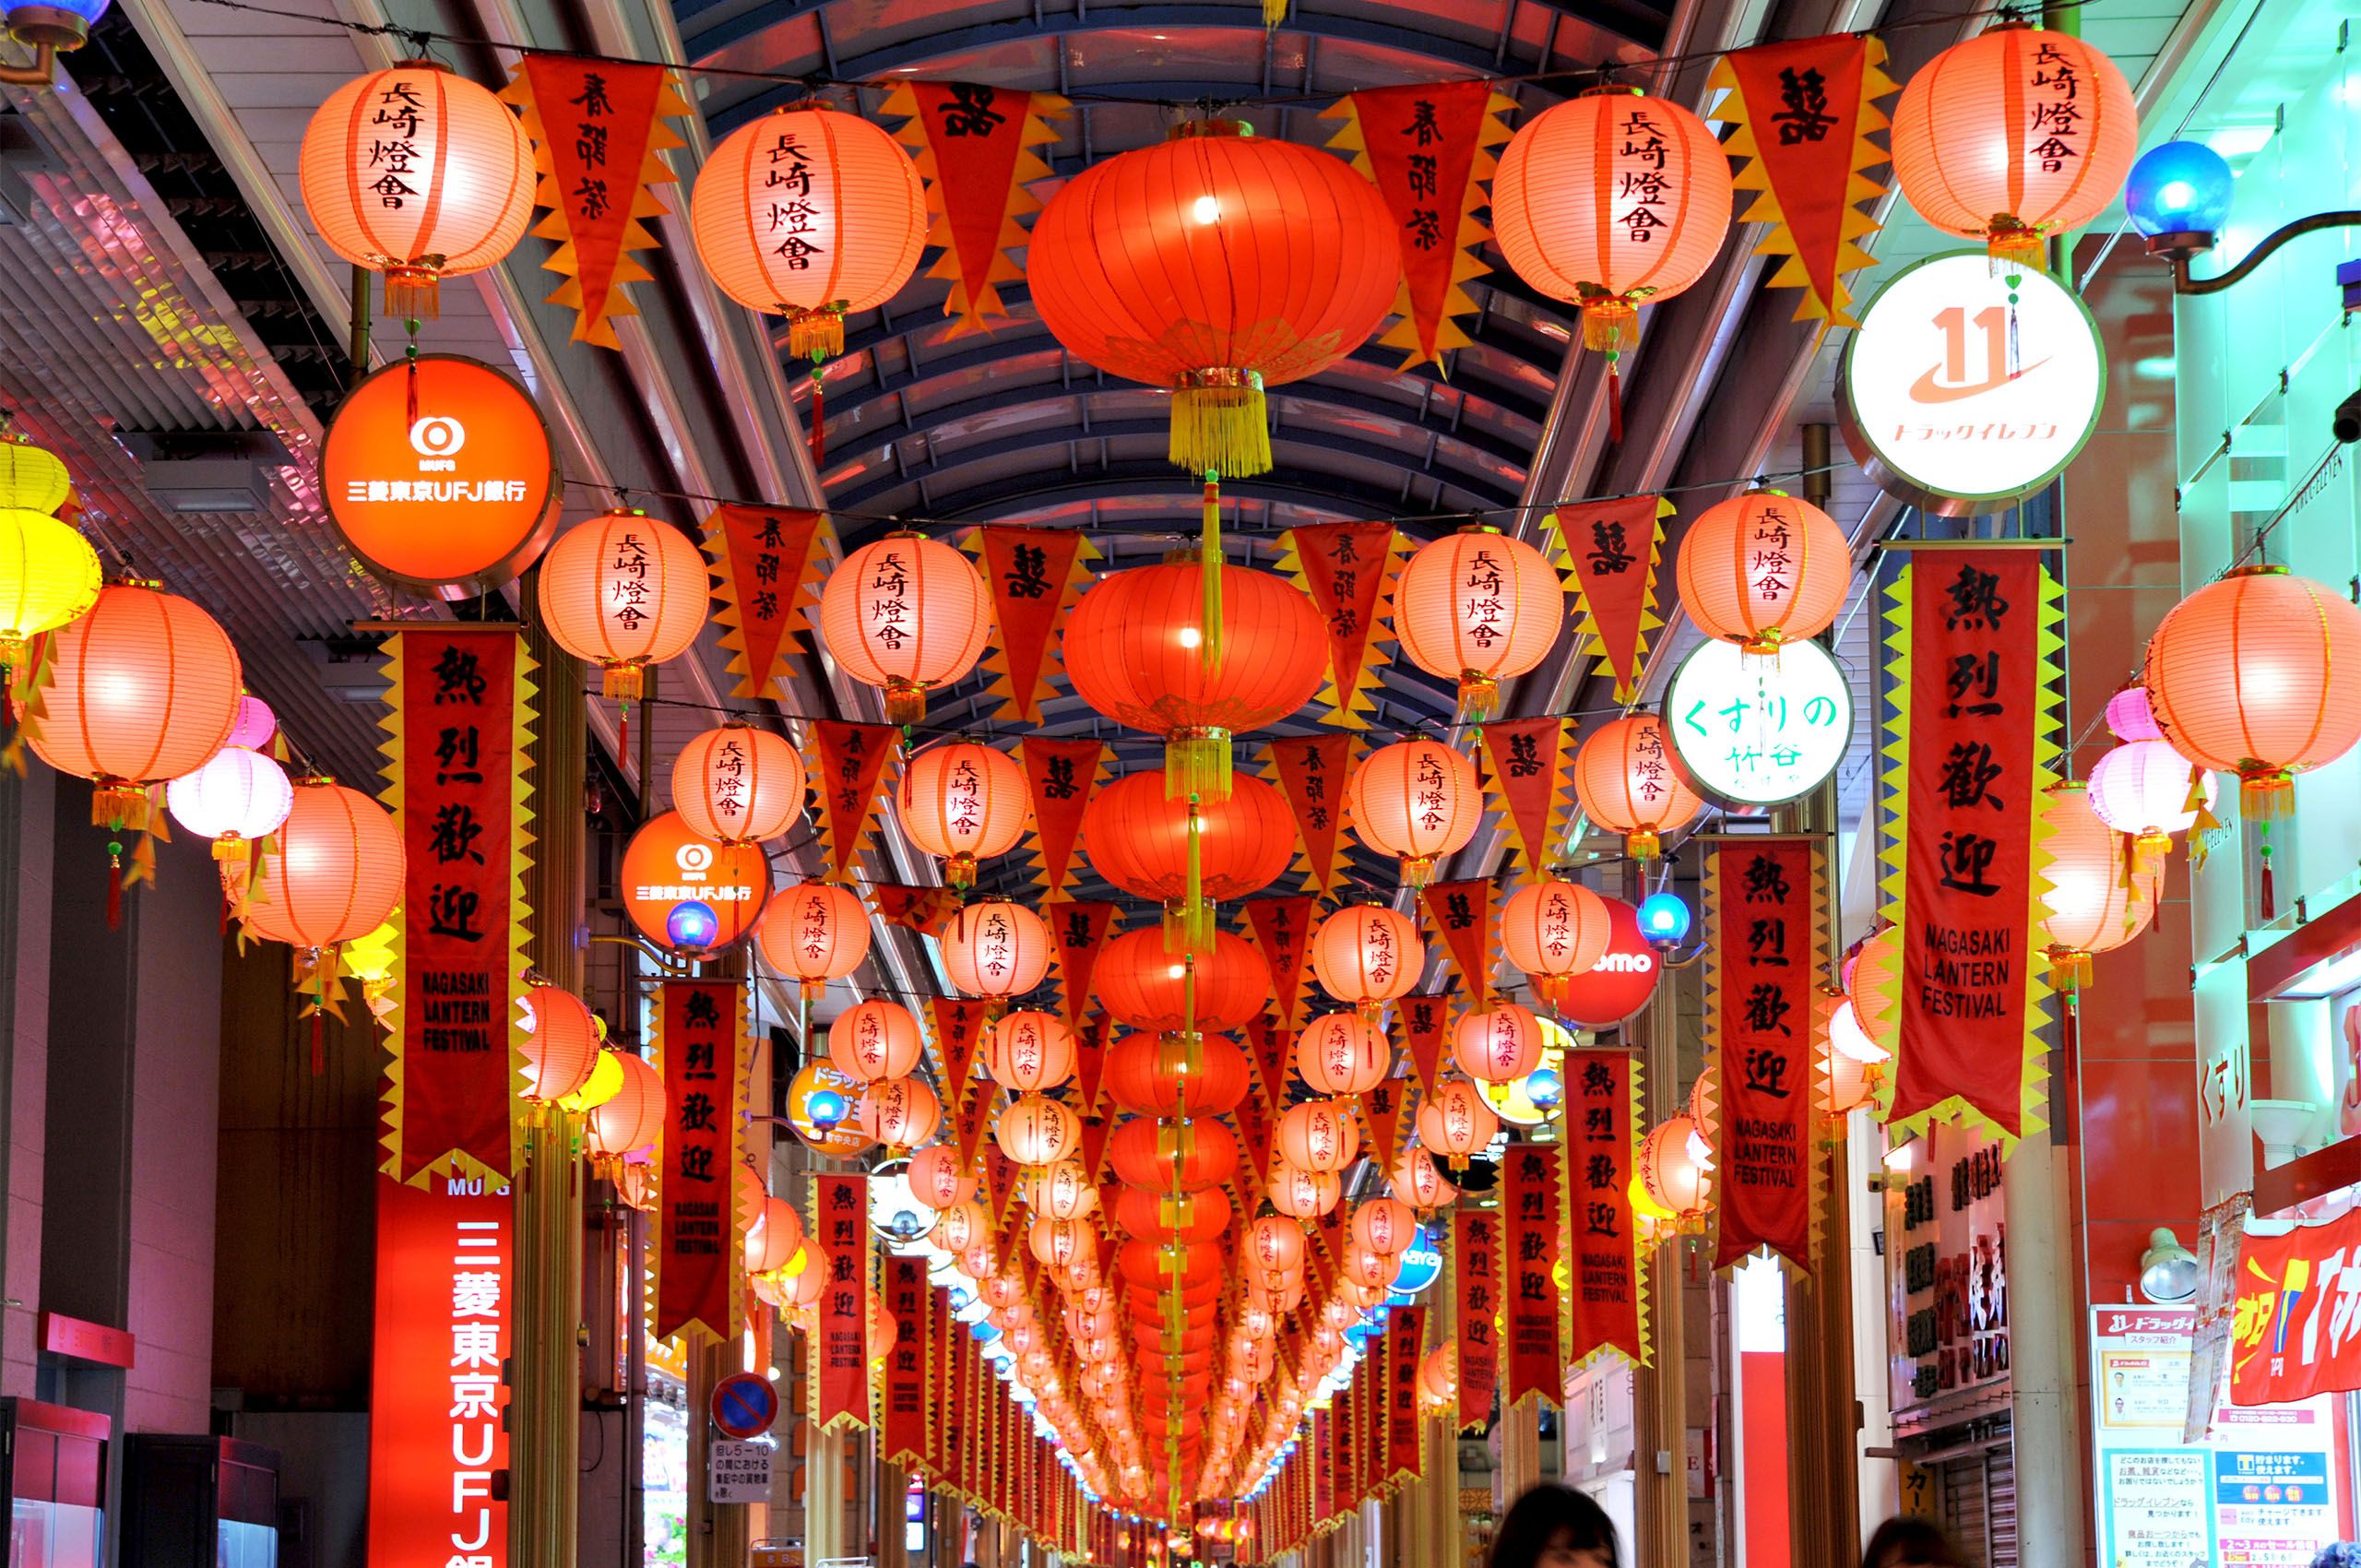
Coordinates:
(1620, 982)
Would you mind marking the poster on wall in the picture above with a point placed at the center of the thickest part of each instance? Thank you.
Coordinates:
(2266, 1488)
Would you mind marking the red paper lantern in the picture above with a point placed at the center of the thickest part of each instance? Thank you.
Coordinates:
(875, 1040)
(562, 1043)
(1478, 607)
(1162, 1155)
(623, 591)
(420, 174)
(899, 1112)
(1384, 1226)
(338, 873)
(1456, 1121)
(1146, 987)
(1366, 954)
(1763, 568)
(1499, 1045)
(2096, 900)
(1193, 1216)
(1060, 1244)
(2259, 674)
(905, 615)
(960, 1226)
(1873, 986)
(1419, 1183)
(738, 784)
(1063, 1191)
(142, 688)
(632, 1117)
(1276, 1243)
(775, 1237)
(1216, 264)
(1030, 1050)
(1343, 1054)
(1036, 1130)
(1551, 931)
(995, 949)
(2012, 136)
(1140, 838)
(1417, 800)
(1674, 1171)
(1173, 1075)
(1319, 1134)
(813, 932)
(1610, 200)
(1135, 651)
(809, 214)
(936, 1179)
(1629, 782)
(961, 801)
(1304, 1195)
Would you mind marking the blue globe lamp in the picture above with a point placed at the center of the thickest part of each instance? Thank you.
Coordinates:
(1545, 1088)
(2178, 196)
(826, 1108)
(55, 24)
(692, 924)
(1664, 919)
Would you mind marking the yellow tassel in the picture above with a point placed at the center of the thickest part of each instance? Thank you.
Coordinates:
(1610, 322)
(1197, 762)
(2013, 244)
(1643, 845)
(116, 804)
(1219, 424)
(1209, 564)
(904, 702)
(1273, 12)
(230, 850)
(413, 293)
(2070, 968)
(2267, 794)
(815, 335)
(1480, 696)
(622, 681)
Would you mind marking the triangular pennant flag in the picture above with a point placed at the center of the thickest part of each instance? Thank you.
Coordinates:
(767, 563)
(1419, 1021)
(973, 145)
(1060, 777)
(598, 131)
(971, 1124)
(1384, 1109)
(1000, 1179)
(1089, 1063)
(1459, 916)
(1611, 548)
(1526, 761)
(959, 1037)
(1034, 574)
(1078, 930)
(1282, 928)
(847, 773)
(1254, 1136)
(1096, 1131)
(1803, 112)
(1350, 570)
(1428, 149)
(1271, 1048)
(921, 908)
(1311, 771)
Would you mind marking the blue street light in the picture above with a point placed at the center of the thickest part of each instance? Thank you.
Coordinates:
(826, 1108)
(1545, 1088)
(1664, 919)
(692, 924)
(2179, 193)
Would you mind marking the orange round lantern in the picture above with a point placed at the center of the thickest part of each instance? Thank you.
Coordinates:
(1553, 930)
(2012, 136)
(1763, 568)
(1478, 607)
(1177, 1075)
(813, 932)
(1419, 1183)
(2096, 900)
(142, 688)
(623, 591)
(960, 1226)
(1135, 648)
(961, 801)
(1276, 1243)
(1319, 1134)
(1851, 1083)
(1163, 1155)
(338, 873)
(420, 174)
(1343, 1054)
(1030, 1050)
(1366, 954)
(1608, 200)
(1384, 1226)
(1457, 1122)
(905, 615)
(775, 1237)
(1417, 800)
(1675, 1167)
(1873, 985)
(809, 214)
(899, 1112)
(2259, 674)
(875, 1040)
(1371, 1271)
(1036, 1130)
(1058, 1243)
(562, 1043)
(1629, 782)
(936, 1179)
(1439, 1378)
(1063, 1191)
(1145, 987)
(1498, 1045)
(1184, 854)
(1216, 264)
(665, 866)
(632, 1117)
(995, 949)
(1191, 1217)
(738, 784)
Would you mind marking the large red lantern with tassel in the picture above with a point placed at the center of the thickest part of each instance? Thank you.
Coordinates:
(1629, 782)
(1763, 568)
(2013, 136)
(1172, 1074)
(995, 949)
(963, 801)
(1201, 1216)
(1417, 800)
(623, 591)
(1184, 854)
(1147, 986)
(906, 614)
(813, 932)
(1478, 607)
(1163, 1155)
(1367, 953)
(737, 784)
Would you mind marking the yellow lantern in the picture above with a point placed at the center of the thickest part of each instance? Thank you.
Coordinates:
(49, 575)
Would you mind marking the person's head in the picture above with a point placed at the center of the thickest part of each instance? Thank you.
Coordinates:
(1912, 1543)
(1554, 1527)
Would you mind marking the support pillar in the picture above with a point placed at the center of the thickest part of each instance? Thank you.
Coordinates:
(823, 1497)
(1660, 1393)
(2044, 1414)
(893, 1538)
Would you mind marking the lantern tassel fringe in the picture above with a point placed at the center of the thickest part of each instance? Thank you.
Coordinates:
(1221, 429)
(119, 805)
(2012, 242)
(1197, 762)
(904, 702)
(815, 333)
(1644, 845)
(2070, 968)
(1480, 696)
(2268, 796)
(413, 293)
(624, 682)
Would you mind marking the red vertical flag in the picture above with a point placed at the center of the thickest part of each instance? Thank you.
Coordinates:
(1763, 901)
(700, 1031)
(1077, 933)
(1311, 772)
(902, 1437)
(1419, 1020)
(1348, 569)
(1034, 574)
(1529, 1202)
(1282, 928)
(1406, 1342)
(1477, 1262)
(1461, 915)
(1604, 1255)
(1060, 777)
(841, 1349)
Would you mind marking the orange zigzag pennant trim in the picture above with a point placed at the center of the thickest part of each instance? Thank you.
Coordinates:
(974, 147)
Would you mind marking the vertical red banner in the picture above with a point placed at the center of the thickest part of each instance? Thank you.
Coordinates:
(841, 1349)
(1476, 1262)
(437, 1405)
(944, 1432)
(1529, 1204)
(902, 1437)
(459, 725)
(1323, 1464)
(1059, 778)
(699, 1026)
(1348, 569)
(1603, 1255)
(1406, 1349)
(1762, 909)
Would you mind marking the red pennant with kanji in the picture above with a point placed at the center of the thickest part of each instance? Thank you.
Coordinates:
(1385, 1109)
(971, 1124)
(1254, 1136)
(847, 773)
(1607, 1262)
(974, 146)
(1350, 570)
(768, 563)
(1059, 776)
(1096, 1131)
(1271, 1048)
(1460, 914)
(1034, 574)
(922, 908)
(1078, 932)
(1611, 550)
(1089, 1063)
(1311, 771)
(1419, 1023)
(1000, 1179)
(959, 1037)
(1282, 929)
(1526, 760)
